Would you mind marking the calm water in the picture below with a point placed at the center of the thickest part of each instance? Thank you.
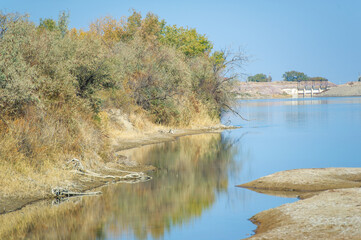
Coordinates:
(193, 194)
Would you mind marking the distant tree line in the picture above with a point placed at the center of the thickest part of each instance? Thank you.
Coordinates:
(260, 77)
(294, 76)
(291, 76)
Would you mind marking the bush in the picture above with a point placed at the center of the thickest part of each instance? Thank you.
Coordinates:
(18, 79)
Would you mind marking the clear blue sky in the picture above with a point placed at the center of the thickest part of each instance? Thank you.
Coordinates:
(317, 37)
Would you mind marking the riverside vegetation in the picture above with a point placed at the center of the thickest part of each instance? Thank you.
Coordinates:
(59, 88)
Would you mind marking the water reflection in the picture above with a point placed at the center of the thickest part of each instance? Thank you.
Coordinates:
(297, 102)
(192, 171)
(192, 194)
(294, 112)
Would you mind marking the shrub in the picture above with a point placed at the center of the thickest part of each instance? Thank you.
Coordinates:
(17, 78)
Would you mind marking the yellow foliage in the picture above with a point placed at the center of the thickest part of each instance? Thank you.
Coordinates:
(79, 34)
(108, 28)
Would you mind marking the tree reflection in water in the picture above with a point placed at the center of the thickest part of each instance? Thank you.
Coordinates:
(191, 171)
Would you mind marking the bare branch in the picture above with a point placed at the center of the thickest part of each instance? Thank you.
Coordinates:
(235, 112)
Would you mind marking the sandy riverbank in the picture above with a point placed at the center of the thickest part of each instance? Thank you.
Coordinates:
(330, 207)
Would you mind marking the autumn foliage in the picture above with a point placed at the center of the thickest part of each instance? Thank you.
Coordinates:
(56, 83)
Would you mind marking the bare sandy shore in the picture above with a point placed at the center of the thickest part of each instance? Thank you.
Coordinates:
(256, 90)
(333, 214)
(344, 90)
(330, 209)
(303, 182)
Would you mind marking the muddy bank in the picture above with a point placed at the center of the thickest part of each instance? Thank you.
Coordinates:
(331, 206)
(102, 173)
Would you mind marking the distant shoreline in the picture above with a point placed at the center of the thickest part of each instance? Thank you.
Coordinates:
(275, 90)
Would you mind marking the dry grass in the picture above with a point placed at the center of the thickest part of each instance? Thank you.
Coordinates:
(35, 147)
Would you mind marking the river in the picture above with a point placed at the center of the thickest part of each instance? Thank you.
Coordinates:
(192, 194)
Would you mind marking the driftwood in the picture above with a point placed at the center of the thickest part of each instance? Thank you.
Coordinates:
(60, 192)
(130, 177)
(77, 167)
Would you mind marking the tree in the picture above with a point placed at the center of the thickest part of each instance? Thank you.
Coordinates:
(151, 27)
(260, 77)
(359, 79)
(133, 23)
(294, 76)
(61, 25)
(63, 22)
(269, 79)
(216, 88)
(112, 30)
(188, 41)
(48, 24)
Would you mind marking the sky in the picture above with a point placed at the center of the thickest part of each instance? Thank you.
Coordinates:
(317, 37)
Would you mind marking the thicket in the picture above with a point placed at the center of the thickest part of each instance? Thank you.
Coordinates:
(138, 61)
(55, 82)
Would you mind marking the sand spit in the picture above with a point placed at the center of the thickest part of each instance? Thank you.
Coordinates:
(331, 205)
(299, 181)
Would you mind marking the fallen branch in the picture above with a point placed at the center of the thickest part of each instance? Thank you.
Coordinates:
(60, 192)
(130, 177)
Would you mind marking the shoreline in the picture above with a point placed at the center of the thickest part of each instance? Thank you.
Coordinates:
(10, 204)
(328, 205)
(275, 90)
(289, 97)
